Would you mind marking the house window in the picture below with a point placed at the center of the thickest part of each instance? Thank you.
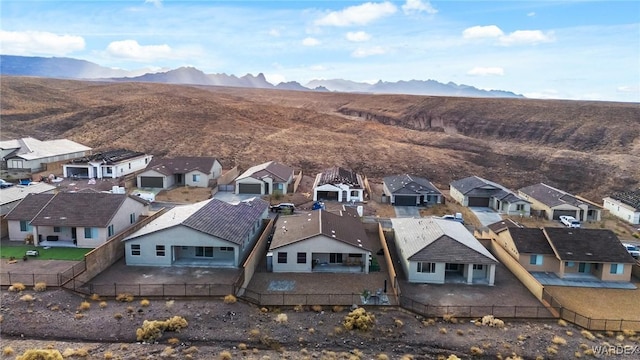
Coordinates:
(56, 229)
(282, 257)
(569, 264)
(109, 169)
(90, 233)
(279, 186)
(204, 251)
(520, 207)
(302, 258)
(16, 164)
(110, 230)
(426, 267)
(160, 250)
(129, 166)
(196, 177)
(535, 260)
(24, 225)
(226, 248)
(335, 258)
(135, 249)
(132, 218)
(477, 267)
(616, 269)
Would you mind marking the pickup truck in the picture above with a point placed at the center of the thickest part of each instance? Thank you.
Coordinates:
(570, 221)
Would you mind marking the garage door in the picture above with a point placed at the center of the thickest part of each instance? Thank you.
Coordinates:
(328, 195)
(478, 202)
(151, 182)
(249, 188)
(558, 213)
(405, 200)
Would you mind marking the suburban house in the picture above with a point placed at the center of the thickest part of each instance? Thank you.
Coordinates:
(553, 203)
(566, 252)
(85, 219)
(164, 173)
(338, 184)
(475, 191)
(32, 154)
(10, 197)
(625, 205)
(265, 179)
(209, 233)
(437, 251)
(319, 241)
(409, 190)
(106, 165)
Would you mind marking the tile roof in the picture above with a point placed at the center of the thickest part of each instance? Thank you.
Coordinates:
(272, 169)
(587, 245)
(18, 192)
(631, 198)
(30, 148)
(552, 197)
(231, 222)
(409, 184)
(531, 241)
(82, 209)
(338, 175)
(182, 165)
(291, 229)
(438, 240)
(110, 157)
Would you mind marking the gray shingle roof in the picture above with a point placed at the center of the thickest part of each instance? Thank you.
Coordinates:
(272, 169)
(475, 186)
(530, 241)
(409, 184)
(182, 165)
(471, 183)
(551, 196)
(29, 207)
(502, 225)
(231, 222)
(587, 245)
(291, 229)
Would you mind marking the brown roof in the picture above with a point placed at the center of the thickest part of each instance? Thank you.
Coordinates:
(85, 209)
(530, 241)
(587, 245)
(182, 165)
(272, 169)
(294, 228)
(502, 225)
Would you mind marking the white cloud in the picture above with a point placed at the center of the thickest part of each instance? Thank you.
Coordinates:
(358, 14)
(478, 32)
(274, 32)
(531, 14)
(486, 71)
(39, 43)
(628, 89)
(156, 3)
(364, 52)
(275, 79)
(526, 37)
(417, 6)
(358, 36)
(317, 68)
(130, 49)
(310, 42)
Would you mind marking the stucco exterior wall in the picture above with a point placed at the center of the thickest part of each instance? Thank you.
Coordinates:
(458, 196)
(432, 278)
(130, 166)
(603, 272)
(622, 211)
(202, 179)
(549, 263)
(167, 181)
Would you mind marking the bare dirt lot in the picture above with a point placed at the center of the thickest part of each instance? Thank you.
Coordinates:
(107, 330)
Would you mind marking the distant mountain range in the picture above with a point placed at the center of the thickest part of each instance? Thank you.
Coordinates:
(68, 68)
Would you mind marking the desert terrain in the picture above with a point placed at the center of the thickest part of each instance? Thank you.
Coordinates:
(585, 147)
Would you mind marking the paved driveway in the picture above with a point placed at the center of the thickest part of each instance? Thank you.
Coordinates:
(407, 211)
(486, 215)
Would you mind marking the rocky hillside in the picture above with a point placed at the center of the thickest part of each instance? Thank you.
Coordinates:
(590, 148)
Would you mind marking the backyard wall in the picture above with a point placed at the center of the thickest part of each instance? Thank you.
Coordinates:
(514, 266)
(258, 253)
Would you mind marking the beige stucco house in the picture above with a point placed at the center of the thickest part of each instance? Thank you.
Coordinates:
(10, 197)
(265, 179)
(552, 203)
(475, 191)
(164, 173)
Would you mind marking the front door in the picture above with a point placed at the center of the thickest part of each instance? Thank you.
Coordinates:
(584, 268)
(74, 233)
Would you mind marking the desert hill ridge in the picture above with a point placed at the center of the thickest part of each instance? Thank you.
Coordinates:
(589, 148)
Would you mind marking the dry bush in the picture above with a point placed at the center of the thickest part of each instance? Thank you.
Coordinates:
(124, 297)
(628, 332)
(108, 355)
(428, 322)
(522, 337)
(453, 357)
(103, 304)
(491, 321)
(130, 309)
(169, 304)
(27, 298)
(450, 318)
(117, 316)
(95, 297)
(242, 346)
(145, 302)
(316, 308)
(298, 308)
(338, 330)
(359, 319)
(68, 352)
(254, 332)
(264, 310)
(577, 354)
(569, 333)
(85, 305)
(609, 333)
(190, 350)
(282, 318)
(225, 355)
(338, 308)
(443, 331)
(40, 354)
(230, 299)
(40, 286)
(173, 341)
(7, 351)
(17, 287)
(79, 316)
(562, 322)
(167, 352)
(587, 335)
(382, 357)
(476, 351)
(82, 352)
(311, 331)
(460, 332)
(589, 352)
(552, 350)
(152, 330)
(559, 340)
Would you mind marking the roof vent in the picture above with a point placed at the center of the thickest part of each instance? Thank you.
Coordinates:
(333, 231)
(569, 253)
(360, 245)
(359, 240)
(589, 254)
(334, 235)
(63, 218)
(47, 217)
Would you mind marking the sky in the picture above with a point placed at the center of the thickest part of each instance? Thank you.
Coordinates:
(580, 50)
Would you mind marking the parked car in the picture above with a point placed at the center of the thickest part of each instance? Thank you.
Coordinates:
(570, 221)
(5, 184)
(633, 250)
(457, 217)
(283, 207)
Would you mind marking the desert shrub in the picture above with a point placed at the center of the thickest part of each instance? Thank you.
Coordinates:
(316, 308)
(453, 357)
(230, 299)
(169, 304)
(152, 330)
(124, 297)
(242, 346)
(311, 331)
(271, 343)
(338, 330)
(82, 352)
(551, 350)
(382, 357)
(476, 351)
(398, 323)
(85, 305)
(7, 351)
(225, 355)
(359, 319)
(628, 332)
(79, 316)
(254, 332)
(108, 355)
(577, 354)
(27, 298)
(264, 310)
(449, 318)
(460, 332)
(40, 286)
(282, 318)
(167, 352)
(190, 350)
(103, 304)
(569, 333)
(117, 316)
(145, 302)
(176, 323)
(442, 331)
(609, 333)
(173, 341)
(17, 287)
(562, 322)
(428, 322)
(130, 309)
(559, 340)
(95, 297)
(587, 335)
(490, 320)
(40, 354)
(589, 352)
(620, 338)
(522, 337)
(68, 352)
(338, 308)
